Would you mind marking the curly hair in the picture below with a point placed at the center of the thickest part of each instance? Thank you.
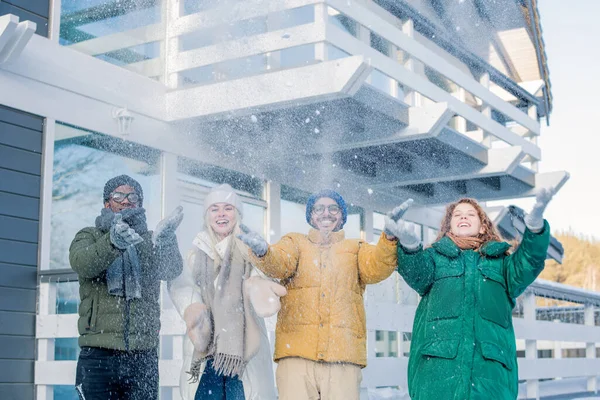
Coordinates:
(490, 233)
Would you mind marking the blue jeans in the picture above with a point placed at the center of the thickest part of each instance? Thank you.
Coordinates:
(104, 374)
(218, 387)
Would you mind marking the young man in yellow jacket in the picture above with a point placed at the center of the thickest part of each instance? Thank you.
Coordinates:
(320, 340)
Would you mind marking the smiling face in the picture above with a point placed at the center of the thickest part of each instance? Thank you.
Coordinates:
(465, 221)
(119, 199)
(326, 215)
(222, 218)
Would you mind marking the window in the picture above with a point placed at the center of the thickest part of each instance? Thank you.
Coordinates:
(83, 162)
(343, 22)
(82, 21)
(67, 297)
(66, 349)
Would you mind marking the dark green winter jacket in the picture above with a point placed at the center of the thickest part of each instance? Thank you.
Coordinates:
(101, 315)
(463, 342)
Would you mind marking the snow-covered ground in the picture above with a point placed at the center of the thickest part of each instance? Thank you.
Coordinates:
(388, 394)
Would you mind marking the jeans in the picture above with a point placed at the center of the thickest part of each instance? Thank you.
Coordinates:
(218, 387)
(104, 374)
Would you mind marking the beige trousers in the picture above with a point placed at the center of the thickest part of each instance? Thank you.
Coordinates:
(302, 379)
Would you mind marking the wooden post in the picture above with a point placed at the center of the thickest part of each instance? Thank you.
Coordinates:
(529, 315)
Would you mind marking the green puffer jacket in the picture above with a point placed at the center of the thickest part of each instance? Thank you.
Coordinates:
(463, 342)
(101, 315)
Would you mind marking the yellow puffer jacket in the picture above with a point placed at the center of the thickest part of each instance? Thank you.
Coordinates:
(322, 318)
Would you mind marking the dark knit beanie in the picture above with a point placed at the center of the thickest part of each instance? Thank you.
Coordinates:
(121, 180)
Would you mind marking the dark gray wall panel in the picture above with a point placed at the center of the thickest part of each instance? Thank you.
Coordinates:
(17, 348)
(18, 276)
(12, 323)
(19, 183)
(19, 206)
(39, 7)
(17, 300)
(23, 230)
(20, 118)
(20, 137)
(20, 178)
(18, 252)
(25, 15)
(16, 391)
(20, 160)
(16, 371)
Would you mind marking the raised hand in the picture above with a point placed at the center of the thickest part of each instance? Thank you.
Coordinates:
(395, 227)
(121, 235)
(535, 219)
(257, 244)
(168, 225)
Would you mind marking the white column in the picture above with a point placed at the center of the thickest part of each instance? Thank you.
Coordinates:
(557, 348)
(171, 11)
(273, 215)
(45, 347)
(590, 348)
(45, 226)
(54, 21)
(486, 110)
(411, 97)
(46, 291)
(529, 315)
(532, 112)
(364, 35)
(460, 123)
(169, 186)
(321, 17)
(367, 228)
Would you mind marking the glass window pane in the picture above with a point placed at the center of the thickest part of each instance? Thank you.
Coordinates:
(66, 349)
(254, 217)
(343, 22)
(352, 227)
(196, 6)
(381, 81)
(293, 217)
(378, 221)
(82, 165)
(84, 20)
(67, 297)
(335, 53)
(293, 17)
(297, 56)
(65, 392)
(380, 44)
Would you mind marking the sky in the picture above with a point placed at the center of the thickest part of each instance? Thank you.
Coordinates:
(571, 33)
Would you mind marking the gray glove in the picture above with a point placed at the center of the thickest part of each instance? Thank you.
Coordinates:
(257, 244)
(395, 226)
(167, 226)
(121, 235)
(535, 219)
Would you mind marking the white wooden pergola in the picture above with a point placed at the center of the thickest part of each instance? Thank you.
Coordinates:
(381, 130)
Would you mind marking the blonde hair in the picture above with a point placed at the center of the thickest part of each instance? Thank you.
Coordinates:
(489, 234)
(234, 244)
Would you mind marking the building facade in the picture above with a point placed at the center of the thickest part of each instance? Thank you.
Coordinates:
(380, 100)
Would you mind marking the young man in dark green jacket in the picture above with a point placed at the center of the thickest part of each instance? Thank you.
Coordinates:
(120, 264)
(463, 342)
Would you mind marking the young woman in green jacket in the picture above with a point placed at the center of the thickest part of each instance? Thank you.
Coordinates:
(463, 342)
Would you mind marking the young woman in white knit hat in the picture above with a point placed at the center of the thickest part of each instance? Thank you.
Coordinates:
(223, 300)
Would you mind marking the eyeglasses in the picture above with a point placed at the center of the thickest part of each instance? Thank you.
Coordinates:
(119, 197)
(333, 209)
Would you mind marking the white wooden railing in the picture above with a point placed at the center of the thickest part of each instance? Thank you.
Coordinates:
(390, 309)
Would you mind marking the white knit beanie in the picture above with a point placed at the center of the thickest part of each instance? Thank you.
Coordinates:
(223, 194)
